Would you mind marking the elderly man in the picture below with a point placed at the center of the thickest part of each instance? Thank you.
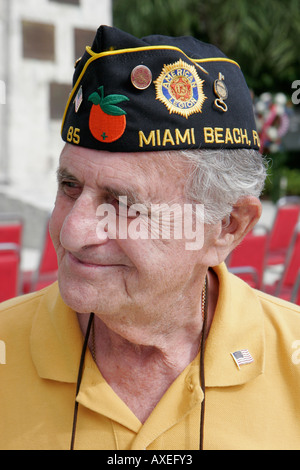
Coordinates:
(147, 342)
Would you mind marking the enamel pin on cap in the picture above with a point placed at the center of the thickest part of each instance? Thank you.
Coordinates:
(180, 89)
(78, 99)
(221, 91)
(141, 77)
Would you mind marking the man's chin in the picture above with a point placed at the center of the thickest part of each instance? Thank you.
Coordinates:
(84, 297)
(77, 295)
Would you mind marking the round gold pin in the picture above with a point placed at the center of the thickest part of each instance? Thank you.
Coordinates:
(141, 77)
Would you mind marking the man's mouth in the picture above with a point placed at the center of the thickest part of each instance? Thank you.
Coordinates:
(89, 262)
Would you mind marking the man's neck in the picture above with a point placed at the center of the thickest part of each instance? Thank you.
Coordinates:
(141, 362)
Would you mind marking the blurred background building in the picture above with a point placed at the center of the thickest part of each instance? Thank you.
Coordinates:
(40, 42)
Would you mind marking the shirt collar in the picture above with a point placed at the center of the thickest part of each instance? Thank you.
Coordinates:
(237, 325)
(56, 343)
(56, 340)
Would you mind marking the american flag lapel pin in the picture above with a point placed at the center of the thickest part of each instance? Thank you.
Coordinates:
(242, 357)
(78, 99)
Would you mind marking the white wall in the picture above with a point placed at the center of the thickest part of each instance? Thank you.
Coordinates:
(33, 140)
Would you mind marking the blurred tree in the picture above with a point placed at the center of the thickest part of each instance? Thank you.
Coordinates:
(144, 17)
(262, 36)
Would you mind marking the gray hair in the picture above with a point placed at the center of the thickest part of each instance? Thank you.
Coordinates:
(219, 178)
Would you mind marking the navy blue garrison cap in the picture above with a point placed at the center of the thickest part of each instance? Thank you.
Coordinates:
(157, 93)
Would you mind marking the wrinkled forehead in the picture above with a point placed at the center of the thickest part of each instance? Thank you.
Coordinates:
(147, 173)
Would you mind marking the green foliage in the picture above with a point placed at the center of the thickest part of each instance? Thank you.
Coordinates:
(262, 35)
(144, 17)
(282, 180)
(292, 176)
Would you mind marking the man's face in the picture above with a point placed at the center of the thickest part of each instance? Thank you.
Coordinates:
(107, 274)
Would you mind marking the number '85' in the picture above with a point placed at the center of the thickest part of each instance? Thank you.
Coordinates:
(73, 135)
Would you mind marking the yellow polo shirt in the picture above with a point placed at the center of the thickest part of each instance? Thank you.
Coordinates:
(254, 406)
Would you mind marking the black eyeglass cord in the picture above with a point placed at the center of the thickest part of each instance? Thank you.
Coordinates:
(202, 377)
(80, 372)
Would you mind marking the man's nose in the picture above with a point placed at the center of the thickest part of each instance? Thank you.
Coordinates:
(79, 229)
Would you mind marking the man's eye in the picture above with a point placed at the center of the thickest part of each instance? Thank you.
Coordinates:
(71, 188)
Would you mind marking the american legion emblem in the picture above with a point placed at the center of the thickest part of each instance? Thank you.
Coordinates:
(180, 89)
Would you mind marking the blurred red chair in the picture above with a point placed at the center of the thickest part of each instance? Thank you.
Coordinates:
(247, 260)
(46, 272)
(9, 270)
(285, 286)
(11, 228)
(286, 218)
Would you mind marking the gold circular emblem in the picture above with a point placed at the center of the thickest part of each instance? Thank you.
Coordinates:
(180, 89)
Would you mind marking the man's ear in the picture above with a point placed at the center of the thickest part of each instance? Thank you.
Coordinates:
(244, 216)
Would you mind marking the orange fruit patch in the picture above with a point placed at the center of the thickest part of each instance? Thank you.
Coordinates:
(107, 122)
